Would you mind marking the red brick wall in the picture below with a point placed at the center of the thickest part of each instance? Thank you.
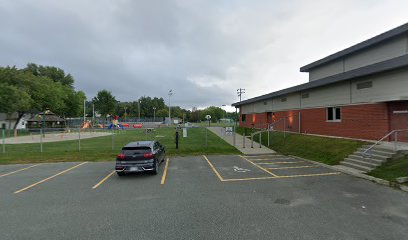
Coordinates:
(398, 120)
(367, 121)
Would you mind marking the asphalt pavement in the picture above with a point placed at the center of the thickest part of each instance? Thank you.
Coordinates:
(197, 197)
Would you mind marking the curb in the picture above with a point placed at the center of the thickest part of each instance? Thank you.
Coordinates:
(359, 175)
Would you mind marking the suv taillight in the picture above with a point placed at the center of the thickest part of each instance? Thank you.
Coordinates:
(148, 155)
(121, 156)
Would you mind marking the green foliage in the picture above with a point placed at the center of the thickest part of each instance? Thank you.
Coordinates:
(104, 102)
(321, 149)
(392, 169)
(162, 113)
(53, 73)
(36, 88)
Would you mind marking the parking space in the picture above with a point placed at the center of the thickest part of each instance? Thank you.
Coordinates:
(197, 197)
(259, 167)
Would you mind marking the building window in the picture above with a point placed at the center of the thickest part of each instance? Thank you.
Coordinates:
(334, 114)
(243, 118)
(363, 85)
(305, 95)
(265, 103)
(284, 99)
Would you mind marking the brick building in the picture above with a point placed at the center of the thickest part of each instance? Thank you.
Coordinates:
(360, 92)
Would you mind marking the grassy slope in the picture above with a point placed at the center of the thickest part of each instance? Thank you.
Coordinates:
(322, 149)
(100, 148)
(392, 169)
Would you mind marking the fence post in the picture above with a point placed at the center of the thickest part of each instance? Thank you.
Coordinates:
(41, 140)
(235, 135)
(113, 141)
(243, 139)
(260, 139)
(3, 134)
(79, 139)
(206, 138)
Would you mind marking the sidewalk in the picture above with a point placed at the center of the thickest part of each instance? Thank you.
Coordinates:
(220, 131)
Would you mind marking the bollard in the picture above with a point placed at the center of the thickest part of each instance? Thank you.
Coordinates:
(206, 139)
(79, 139)
(243, 140)
(252, 140)
(113, 141)
(235, 135)
(41, 140)
(260, 139)
(4, 140)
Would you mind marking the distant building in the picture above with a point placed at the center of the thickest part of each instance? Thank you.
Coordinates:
(359, 92)
(47, 120)
(7, 121)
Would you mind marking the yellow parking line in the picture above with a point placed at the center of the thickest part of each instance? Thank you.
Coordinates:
(278, 163)
(48, 178)
(246, 179)
(213, 168)
(19, 170)
(294, 167)
(267, 159)
(165, 172)
(310, 175)
(270, 173)
(103, 180)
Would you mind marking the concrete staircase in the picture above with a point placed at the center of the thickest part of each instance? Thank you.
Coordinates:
(377, 156)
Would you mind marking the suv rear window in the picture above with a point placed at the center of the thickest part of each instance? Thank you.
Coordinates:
(135, 150)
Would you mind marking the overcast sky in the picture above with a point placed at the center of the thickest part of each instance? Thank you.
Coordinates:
(203, 50)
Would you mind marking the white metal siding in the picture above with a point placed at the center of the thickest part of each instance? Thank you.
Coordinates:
(386, 87)
(326, 70)
(292, 102)
(247, 108)
(336, 94)
(381, 52)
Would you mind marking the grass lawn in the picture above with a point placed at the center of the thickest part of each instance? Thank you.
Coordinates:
(100, 148)
(321, 149)
(392, 169)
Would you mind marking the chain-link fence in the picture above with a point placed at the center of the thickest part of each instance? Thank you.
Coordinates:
(103, 143)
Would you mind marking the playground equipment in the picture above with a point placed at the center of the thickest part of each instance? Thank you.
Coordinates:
(86, 124)
(115, 124)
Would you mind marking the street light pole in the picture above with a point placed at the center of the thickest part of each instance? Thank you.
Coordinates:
(154, 114)
(223, 111)
(170, 93)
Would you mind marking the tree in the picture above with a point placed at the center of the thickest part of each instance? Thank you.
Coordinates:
(54, 73)
(104, 102)
(162, 113)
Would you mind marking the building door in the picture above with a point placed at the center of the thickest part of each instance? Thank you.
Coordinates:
(398, 115)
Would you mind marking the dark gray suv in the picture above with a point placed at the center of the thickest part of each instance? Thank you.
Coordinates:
(139, 157)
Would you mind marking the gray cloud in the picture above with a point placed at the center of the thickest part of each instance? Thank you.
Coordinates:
(203, 50)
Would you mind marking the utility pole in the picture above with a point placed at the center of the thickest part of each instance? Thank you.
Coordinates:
(93, 114)
(125, 112)
(154, 114)
(240, 91)
(170, 93)
(139, 109)
(84, 110)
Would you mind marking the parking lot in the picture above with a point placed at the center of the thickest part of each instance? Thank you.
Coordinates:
(197, 197)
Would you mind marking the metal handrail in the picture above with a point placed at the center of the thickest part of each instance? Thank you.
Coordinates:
(365, 153)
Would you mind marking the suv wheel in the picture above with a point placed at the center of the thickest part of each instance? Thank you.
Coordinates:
(156, 168)
(120, 174)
